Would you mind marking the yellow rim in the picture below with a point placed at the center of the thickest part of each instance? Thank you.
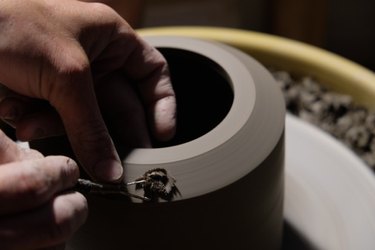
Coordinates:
(334, 71)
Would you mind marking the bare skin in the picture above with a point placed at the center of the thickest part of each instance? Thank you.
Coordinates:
(64, 63)
(65, 57)
(34, 211)
(130, 10)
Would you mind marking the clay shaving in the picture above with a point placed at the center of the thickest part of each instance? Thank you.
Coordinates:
(334, 113)
(158, 185)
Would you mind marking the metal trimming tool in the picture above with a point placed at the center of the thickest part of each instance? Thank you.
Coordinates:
(87, 186)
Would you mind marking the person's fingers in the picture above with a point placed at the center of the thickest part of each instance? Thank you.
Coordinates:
(44, 123)
(73, 96)
(149, 70)
(10, 151)
(30, 183)
(55, 68)
(141, 63)
(32, 118)
(59, 71)
(49, 225)
(123, 112)
(13, 108)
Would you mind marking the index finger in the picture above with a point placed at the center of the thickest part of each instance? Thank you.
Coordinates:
(74, 98)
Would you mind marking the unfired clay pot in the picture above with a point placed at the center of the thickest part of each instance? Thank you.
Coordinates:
(227, 159)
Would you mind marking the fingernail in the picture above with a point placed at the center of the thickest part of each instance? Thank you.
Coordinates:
(108, 171)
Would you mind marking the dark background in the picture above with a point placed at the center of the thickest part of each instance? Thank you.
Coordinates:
(345, 27)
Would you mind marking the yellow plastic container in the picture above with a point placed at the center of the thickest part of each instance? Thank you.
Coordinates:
(333, 71)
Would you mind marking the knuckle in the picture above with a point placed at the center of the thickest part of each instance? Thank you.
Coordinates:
(73, 65)
(68, 59)
(72, 71)
(102, 10)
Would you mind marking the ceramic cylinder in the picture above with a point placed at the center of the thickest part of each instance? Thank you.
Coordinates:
(227, 159)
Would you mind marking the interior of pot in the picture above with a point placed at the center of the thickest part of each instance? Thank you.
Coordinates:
(203, 92)
(334, 71)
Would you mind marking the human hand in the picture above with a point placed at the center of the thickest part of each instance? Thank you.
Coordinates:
(35, 211)
(130, 10)
(71, 53)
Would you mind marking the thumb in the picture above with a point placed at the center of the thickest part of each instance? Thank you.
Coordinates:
(73, 96)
